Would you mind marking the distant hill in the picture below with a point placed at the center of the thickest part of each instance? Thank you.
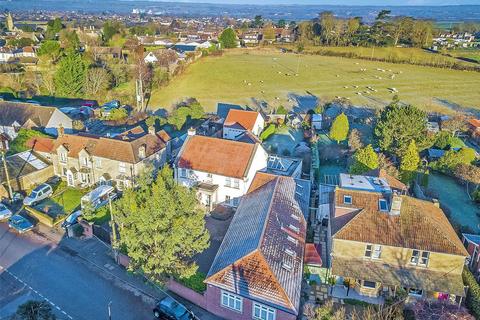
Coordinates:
(288, 12)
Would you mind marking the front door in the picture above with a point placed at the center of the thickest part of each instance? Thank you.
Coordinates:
(70, 180)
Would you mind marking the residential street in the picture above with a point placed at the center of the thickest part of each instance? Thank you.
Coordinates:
(32, 268)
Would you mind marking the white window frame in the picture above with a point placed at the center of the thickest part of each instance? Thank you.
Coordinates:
(369, 250)
(420, 259)
(236, 183)
(377, 252)
(345, 197)
(380, 205)
(231, 301)
(84, 162)
(228, 182)
(63, 157)
(98, 163)
(183, 173)
(265, 309)
(228, 199)
(122, 167)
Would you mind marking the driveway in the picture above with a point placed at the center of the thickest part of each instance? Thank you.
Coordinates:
(34, 268)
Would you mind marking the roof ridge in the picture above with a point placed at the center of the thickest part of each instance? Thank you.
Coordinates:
(276, 180)
(360, 211)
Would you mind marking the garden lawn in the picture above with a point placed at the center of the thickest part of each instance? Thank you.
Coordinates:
(69, 199)
(283, 141)
(241, 75)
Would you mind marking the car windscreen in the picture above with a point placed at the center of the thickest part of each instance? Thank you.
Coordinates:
(34, 194)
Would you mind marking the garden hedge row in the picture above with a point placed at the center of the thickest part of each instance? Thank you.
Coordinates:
(473, 294)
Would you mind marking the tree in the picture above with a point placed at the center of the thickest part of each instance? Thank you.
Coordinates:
(110, 28)
(455, 124)
(35, 310)
(451, 159)
(70, 75)
(386, 164)
(228, 39)
(50, 48)
(400, 124)
(118, 114)
(410, 161)
(355, 140)
(364, 160)
(340, 128)
(257, 22)
(327, 25)
(281, 110)
(161, 226)
(179, 116)
(119, 73)
(98, 79)
(269, 32)
(53, 28)
(69, 40)
(281, 23)
(468, 173)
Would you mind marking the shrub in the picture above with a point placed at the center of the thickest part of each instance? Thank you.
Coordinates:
(195, 282)
(78, 230)
(267, 132)
(473, 294)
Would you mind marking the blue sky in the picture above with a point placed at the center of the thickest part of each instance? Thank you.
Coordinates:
(343, 2)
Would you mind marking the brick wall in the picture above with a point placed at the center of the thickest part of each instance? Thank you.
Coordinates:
(187, 293)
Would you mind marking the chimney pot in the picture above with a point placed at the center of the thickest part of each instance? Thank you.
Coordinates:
(151, 130)
(396, 205)
(192, 132)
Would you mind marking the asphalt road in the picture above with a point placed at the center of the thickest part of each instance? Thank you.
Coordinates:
(33, 268)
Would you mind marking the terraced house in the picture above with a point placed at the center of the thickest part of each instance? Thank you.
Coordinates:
(383, 242)
(85, 160)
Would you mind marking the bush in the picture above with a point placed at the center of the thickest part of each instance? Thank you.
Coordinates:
(473, 294)
(195, 282)
(78, 230)
(267, 132)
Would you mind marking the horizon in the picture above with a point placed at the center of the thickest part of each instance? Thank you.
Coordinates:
(359, 3)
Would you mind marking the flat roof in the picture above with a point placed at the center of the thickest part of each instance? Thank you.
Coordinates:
(364, 183)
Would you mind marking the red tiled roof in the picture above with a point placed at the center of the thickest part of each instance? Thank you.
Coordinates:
(219, 156)
(246, 119)
(474, 122)
(312, 255)
(260, 179)
(421, 225)
(41, 144)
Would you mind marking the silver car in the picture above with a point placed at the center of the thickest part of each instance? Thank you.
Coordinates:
(5, 213)
(38, 194)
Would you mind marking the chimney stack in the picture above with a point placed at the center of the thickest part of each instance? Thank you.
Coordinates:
(436, 203)
(151, 130)
(396, 205)
(61, 131)
(192, 132)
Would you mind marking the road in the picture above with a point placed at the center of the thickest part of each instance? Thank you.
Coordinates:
(31, 267)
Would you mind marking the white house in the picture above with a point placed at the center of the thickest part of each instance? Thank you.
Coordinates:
(221, 170)
(239, 121)
(150, 58)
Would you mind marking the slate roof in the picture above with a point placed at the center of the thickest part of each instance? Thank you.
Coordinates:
(114, 149)
(421, 225)
(218, 156)
(390, 275)
(241, 119)
(253, 256)
(22, 112)
(474, 238)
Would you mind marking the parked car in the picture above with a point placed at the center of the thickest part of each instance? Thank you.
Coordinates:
(169, 308)
(5, 213)
(38, 194)
(71, 219)
(20, 224)
(98, 197)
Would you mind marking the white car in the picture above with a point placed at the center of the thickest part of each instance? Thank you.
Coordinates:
(38, 194)
(5, 213)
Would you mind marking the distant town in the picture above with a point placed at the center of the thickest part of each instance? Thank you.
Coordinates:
(218, 166)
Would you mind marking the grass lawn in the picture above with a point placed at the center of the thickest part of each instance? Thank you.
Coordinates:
(69, 199)
(472, 54)
(19, 143)
(284, 140)
(239, 76)
(100, 216)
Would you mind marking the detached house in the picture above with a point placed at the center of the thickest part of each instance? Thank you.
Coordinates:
(258, 270)
(14, 116)
(240, 121)
(222, 170)
(85, 160)
(382, 242)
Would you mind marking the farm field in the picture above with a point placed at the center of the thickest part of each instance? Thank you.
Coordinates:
(254, 76)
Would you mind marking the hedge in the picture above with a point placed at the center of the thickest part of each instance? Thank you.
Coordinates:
(267, 132)
(473, 294)
(195, 282)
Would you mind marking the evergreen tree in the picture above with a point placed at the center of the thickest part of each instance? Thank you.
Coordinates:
(50, 48)
(70, 76)
(161, 226)
(35, 310)
(398, 125)
(365, 159)
(340, 128)
(228, 39)
(409, 162)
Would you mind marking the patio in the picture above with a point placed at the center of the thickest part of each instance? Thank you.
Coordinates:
(340, 292)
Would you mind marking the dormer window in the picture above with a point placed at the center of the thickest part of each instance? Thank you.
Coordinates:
(347, 199)
(383, 205)
(142, 152)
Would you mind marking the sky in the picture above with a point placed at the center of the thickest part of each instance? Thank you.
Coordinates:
(340, 2)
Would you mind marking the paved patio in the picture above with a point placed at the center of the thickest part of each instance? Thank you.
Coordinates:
(340, 292)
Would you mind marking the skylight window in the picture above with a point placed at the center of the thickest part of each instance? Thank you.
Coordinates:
(290, 252)
(383, 205)
(294, 228)
(294, 216)
(292, 240)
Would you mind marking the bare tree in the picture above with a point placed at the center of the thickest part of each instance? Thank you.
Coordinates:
(98, 79)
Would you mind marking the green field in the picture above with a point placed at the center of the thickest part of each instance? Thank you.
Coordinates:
(245, 76)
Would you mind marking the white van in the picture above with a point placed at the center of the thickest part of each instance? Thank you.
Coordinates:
(38, 194)
(98, 197)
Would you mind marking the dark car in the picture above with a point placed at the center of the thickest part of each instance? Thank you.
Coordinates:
(169, 308)
(20, 224)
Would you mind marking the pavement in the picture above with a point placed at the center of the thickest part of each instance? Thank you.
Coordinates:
(79, 278)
